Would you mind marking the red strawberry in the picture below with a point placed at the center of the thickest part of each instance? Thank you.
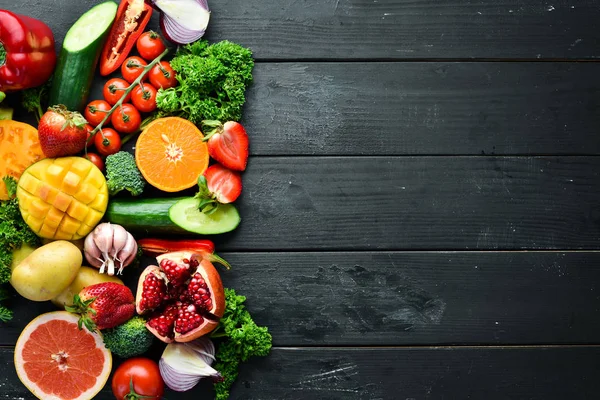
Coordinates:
(218, 185)
(224, 184)
(103, 305)
(227, 143)
(62, 132)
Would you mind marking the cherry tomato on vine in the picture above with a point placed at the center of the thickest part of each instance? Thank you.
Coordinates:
(109, 144)
(150, 45)
(139, 375)
(113, 90)
(95, 111)
(132, 67)
(126, 119)
(162, 76)
(96, 160)
(144, 99)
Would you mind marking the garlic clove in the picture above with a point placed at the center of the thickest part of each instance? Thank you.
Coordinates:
(103, 237)
(91, 251)
(127, 253)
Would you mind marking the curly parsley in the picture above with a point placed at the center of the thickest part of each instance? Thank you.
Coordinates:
(243, 339)
(212, 82)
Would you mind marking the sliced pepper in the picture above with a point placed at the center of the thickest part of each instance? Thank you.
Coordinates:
(206, 248)
(132, 18)
(27, 55)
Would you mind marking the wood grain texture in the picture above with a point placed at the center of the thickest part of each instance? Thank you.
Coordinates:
(395, 373)
(388, 29)
(433, 203)
(424, 108)
(414, 298)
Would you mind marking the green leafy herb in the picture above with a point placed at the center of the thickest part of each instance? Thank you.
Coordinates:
(35, 99)
(14, 232)
(243, 339)
(212, 82)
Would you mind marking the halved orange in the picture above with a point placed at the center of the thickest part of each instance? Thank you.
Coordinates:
(170, 154)
(56, 360)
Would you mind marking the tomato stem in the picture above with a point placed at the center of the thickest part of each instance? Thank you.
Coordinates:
(119, 103)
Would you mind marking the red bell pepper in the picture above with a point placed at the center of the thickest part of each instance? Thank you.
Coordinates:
(132, 18)
(206, 248)
(27, 56)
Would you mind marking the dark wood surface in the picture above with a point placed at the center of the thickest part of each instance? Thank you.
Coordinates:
(420, 216)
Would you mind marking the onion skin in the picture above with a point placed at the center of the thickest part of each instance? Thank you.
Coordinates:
(173, 31)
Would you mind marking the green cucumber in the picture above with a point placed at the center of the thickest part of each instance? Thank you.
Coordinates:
(149, 216)
(79, 56)
(186, 214)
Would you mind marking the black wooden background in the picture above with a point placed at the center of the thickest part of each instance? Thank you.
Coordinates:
(420, 210)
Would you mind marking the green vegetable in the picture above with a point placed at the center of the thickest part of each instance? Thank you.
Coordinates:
(187, 215)
(35, 100)
(79, 56)
(212, 82)
(13, 233)
(123, 174)
(129, 339)
(243, 339)
(150, 216)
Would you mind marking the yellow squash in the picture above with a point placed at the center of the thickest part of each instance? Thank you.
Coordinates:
(62, 198)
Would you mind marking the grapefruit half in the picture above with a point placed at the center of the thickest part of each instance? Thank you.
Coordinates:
(57, 361)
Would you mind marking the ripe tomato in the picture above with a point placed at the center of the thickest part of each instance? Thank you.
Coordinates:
(150, 45)
(110, 144)
(126, 119)
(144, 100)
(162, 76)
(97, 160)
(96, 111)
(141, 373)
(113, 90)
(132, 67)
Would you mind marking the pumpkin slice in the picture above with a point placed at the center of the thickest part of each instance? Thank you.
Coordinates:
(19, 148)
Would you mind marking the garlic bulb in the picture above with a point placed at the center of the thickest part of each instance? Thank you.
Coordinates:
(110, 245)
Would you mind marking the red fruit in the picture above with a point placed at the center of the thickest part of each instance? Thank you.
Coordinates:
(224, 184)
(62, 132)
(192, 303)
(104, 305)
(227, 144)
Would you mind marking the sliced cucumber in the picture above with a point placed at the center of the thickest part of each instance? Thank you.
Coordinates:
(79, 56)
(185, 214)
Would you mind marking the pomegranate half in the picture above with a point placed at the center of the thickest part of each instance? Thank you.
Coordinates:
(184, 296)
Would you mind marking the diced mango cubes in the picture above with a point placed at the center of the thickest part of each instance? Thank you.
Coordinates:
(62, 198)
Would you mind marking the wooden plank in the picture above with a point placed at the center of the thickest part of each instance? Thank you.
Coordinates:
(388, 29)
(536, 373)
(420, 108)
(424, 108)
(427, 203)
(406, 298)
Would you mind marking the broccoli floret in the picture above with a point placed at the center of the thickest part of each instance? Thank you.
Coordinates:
(129, 339)
(123, 174)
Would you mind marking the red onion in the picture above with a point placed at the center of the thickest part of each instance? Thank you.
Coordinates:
(182, 365)
(183, 21)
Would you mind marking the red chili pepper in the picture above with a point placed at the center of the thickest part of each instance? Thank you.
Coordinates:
(27, 56)
(206, 248)
(132, 18)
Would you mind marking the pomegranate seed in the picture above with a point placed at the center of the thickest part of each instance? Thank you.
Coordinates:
(187, 319)
(199, 292)
(164, 322)
(154, 292)
(176, 273)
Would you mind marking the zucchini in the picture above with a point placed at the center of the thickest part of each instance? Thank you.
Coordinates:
(149, 216)
(186, 214)
(79, 56)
